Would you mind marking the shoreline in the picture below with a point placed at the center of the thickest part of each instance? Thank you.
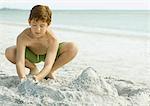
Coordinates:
(90, 30)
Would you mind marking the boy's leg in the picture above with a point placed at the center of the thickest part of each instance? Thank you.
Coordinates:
(10, 54)
(67, 53)
(33, 69)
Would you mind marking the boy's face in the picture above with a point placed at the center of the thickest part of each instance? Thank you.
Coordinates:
(38, 28)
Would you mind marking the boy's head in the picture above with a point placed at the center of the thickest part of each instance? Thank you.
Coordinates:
(40, 13)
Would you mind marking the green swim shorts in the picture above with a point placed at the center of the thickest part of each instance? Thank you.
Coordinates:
(33, 58)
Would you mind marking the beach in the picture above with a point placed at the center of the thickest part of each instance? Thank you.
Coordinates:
(111, 69)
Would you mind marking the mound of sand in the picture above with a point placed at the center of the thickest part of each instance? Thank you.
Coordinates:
(89, 89)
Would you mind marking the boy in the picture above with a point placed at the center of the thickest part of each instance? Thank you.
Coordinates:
(38, 43)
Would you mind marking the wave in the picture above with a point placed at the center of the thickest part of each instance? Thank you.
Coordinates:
(91, 30)
(14, 9)
(13, 23)
(104, 31)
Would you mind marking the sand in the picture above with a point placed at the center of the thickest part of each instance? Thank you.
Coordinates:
(108, 71)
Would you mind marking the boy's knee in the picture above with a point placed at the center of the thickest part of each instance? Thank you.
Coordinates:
(7, 52)
(72, 48)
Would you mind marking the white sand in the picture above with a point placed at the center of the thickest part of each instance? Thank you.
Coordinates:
(108, 71)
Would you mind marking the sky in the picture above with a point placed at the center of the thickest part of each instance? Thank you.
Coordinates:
(79, 4)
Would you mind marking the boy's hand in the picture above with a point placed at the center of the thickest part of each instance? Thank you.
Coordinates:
(32, 79)
(23, 79)
(34, 71)
(35, 79)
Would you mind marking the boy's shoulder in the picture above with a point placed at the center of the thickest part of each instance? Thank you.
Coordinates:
(51, 34)
(24, 33)
(23, 36)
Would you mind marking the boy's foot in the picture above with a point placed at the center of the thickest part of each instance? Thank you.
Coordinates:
(50, 76)
(34, 71)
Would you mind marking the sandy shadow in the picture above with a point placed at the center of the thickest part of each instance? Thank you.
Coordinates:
(9, 81)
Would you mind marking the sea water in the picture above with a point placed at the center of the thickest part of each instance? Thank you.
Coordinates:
(131, 22)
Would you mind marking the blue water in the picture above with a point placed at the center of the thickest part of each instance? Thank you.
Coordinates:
(126, 20)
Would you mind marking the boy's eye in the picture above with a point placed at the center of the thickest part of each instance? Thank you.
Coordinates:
(42, 26)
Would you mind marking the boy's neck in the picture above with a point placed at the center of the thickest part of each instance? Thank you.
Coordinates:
(36, 38)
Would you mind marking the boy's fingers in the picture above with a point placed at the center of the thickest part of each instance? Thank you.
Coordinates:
(23, 80)
(34, 79)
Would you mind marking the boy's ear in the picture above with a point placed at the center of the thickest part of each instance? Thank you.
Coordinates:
(49, 24)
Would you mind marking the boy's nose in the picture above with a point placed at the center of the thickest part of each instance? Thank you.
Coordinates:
(38, 29)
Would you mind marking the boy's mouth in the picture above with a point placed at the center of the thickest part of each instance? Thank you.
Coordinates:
(37, 33)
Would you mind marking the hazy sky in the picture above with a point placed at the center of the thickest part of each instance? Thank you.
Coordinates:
(79, 4)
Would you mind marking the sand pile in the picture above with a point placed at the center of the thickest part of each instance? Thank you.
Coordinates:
(89, 89)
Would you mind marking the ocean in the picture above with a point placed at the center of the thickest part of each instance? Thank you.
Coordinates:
(121, 22)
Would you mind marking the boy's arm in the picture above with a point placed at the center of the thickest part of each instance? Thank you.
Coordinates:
(49, 61)
(20, 57)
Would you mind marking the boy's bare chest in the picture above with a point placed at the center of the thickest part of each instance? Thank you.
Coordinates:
(39, 47)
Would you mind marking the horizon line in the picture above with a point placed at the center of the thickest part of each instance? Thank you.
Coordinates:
(6, 8)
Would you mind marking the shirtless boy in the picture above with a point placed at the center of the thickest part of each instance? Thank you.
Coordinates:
(38, 43)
